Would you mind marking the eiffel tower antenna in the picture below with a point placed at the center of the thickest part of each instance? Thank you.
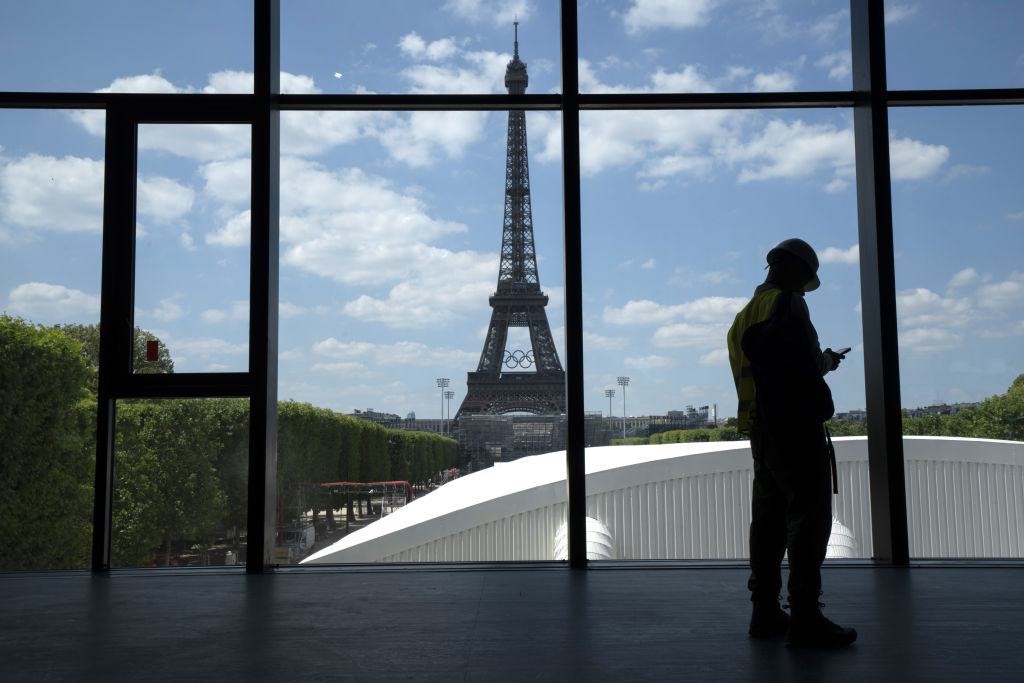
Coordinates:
(538, 384)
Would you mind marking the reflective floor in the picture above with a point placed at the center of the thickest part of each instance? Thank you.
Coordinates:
(499, 624)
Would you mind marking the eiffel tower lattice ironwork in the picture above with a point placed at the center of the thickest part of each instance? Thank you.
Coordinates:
(518, 300)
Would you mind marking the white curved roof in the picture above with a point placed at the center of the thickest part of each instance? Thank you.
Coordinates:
(692, 501)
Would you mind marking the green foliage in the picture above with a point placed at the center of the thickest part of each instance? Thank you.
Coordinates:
(843, 428)
(697, 435)
(631, 441)
(166, 488)
(317, 445)
(46, 455)
(89, 337)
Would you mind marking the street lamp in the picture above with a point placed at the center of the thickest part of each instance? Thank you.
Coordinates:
(449, 395)
(623, 382)
(442, 384)
(609, 393)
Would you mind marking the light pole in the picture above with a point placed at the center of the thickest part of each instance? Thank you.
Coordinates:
(442, 383)
(609, 393)
(623, 382)
(449, 395)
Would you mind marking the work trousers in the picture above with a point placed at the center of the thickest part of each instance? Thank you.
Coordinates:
(791, 512)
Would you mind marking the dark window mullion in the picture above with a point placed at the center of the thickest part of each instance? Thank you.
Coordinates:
(878, 285)
(117, 300)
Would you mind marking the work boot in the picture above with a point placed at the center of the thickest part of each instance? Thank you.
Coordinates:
(810, 628)
(768, 620)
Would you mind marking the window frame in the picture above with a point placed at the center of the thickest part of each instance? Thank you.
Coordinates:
(869, 100)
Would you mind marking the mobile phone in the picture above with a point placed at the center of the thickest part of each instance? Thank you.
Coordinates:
(843, 352)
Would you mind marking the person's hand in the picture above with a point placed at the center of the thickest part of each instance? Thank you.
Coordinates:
(833, 358)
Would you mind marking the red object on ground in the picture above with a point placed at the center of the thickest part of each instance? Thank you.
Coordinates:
(152, 349)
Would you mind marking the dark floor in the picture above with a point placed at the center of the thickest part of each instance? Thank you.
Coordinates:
(510, 624)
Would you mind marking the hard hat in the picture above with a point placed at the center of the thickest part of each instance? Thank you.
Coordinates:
(802, 251)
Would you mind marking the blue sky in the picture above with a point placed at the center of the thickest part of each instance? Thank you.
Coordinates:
(391, 222)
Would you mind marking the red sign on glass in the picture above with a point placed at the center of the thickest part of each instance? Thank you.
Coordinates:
(152, 349)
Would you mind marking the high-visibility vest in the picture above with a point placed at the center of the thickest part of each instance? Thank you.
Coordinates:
(757, 310)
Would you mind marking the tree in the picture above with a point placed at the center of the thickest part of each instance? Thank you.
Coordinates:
(166, 488)
(46, 459)
(89, 337)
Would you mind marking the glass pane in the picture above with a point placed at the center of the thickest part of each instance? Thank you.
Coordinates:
(958, 217)
(192, 248)
(51, 215)
(703, 46)
(436, 47)
(181, 472)
(390, 259)
(127, 46)
(953, 44)
(675, 239)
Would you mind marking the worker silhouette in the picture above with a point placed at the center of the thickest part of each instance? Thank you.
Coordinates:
(778, 367)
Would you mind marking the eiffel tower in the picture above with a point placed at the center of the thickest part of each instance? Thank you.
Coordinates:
(534, 381)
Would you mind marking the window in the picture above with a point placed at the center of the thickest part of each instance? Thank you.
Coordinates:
(420, 147)
(51, 219)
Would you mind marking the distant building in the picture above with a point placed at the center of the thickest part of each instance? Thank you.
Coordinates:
(940, 409)
(852, 416)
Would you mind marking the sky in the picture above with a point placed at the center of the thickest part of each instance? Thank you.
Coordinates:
(391, 221)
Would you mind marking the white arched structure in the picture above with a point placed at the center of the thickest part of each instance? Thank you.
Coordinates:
(965, 498)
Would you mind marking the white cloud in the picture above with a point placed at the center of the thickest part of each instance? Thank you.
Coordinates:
(929, 339)
(840, 255)
(200, 141)
(792, 150)
(44, 300)
(235, 232)
(356, 228)
(420, 138)
(686, 276)
(435, 51)
(1014, 328)
(498, 12)
(839, 65)
(825, 29)
(339, 367)
(689, 335)
(597, 342)
(965, 278)
(836, 185)
(163, 198)
(652, 362)
(648, 264)
(228, 181)
(66, 194)
(779, 81)
(1019, 216)
(213, 316)
(187, 242)
(386, 355)
(957, 171)
(1006, 294)
(169, 309)
(715, 358)
(921, 307)
(201, 347)
(239, 311)
(207, 142)
(674, 14)
(707, 309)
(40, 191)
(913, 160)
(895, 14)
(287, 309)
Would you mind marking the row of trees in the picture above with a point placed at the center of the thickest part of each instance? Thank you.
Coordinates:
(180, 465)
(998, 417)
